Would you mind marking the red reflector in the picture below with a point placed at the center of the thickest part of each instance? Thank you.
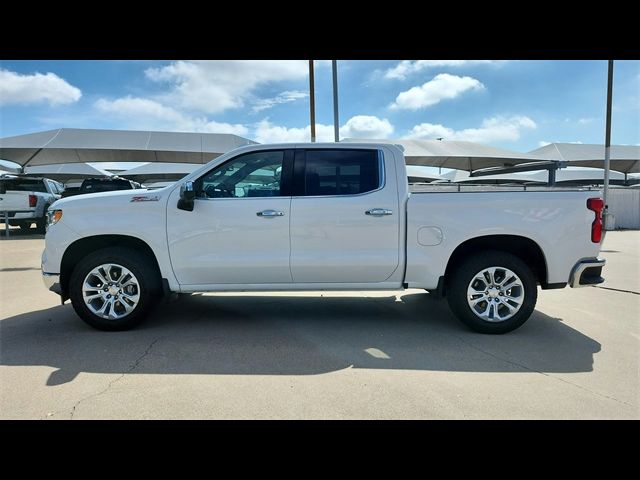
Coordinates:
(597, 205)
(33, 200)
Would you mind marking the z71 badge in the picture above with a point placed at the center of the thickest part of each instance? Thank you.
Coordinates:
(145, 198)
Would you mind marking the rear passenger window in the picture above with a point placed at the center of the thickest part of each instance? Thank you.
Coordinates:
(341, 172)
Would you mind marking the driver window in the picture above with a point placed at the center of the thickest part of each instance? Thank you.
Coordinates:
(252, 175)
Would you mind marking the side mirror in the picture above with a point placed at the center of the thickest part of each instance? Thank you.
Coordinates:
(187, 195)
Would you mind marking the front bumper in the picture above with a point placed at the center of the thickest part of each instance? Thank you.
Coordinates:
(587, 272)
(52, 282)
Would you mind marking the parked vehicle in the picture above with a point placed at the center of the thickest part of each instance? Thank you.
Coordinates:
(102, 184)
(321, 217)
(26, 200)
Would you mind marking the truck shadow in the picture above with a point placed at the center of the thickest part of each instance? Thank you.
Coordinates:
(290, 335)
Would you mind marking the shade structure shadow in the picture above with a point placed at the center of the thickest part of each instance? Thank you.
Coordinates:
(290, 335)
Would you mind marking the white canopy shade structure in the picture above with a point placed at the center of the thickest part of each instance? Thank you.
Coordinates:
(504, 178)
(576, 176)
(159, 171)
(624, 158)
(421, 174)
(467, 156)
(67, 171)
(73, 145)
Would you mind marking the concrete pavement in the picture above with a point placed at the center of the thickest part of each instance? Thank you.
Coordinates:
(321, 355)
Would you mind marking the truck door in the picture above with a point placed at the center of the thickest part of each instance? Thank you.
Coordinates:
(238, 231)
(345, 217)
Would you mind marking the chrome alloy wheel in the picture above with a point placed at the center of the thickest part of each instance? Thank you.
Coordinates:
(495, 294)
(111, 291)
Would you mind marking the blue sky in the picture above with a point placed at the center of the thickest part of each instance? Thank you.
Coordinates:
(518, 105)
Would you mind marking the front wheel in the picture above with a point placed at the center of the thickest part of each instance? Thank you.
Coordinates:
(492, 292)
(114, 288)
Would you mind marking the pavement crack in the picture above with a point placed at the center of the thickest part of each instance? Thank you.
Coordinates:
(616, 289)
(506, 360)
(131, 368)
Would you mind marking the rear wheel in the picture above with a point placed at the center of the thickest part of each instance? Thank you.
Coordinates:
(492, 292)
(114, 288)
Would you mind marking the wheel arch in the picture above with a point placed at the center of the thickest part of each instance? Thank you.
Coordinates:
(522, 247)
(82, 247)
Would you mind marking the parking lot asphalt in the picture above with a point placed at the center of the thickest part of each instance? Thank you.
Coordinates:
(321, 355)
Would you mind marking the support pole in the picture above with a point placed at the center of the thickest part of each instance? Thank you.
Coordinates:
(336, 121)
(607, 141)
(312, 102)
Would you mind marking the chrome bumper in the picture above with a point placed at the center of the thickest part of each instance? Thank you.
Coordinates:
(52, 282)
(587, 272)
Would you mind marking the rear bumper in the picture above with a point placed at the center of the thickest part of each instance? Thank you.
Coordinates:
(587, 272)
(52, 282)
(18, 215)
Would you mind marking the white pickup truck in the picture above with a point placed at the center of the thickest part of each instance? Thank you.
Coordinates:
(24, 200)
(320, 217)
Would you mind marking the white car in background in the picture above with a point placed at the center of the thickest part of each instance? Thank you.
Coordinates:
(25, 200)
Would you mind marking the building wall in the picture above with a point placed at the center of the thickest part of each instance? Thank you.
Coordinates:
(624, 203)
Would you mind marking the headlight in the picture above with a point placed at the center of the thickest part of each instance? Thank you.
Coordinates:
(53, 216)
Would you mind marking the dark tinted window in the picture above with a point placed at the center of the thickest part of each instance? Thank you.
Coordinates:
(23, 185)
(341, 172)
(91, 186)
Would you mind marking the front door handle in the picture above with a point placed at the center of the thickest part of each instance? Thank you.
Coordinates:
(270, 213)
(379, 212)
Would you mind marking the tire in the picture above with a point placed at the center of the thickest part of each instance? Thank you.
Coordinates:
(147, 288)
(41, 224)
(505, 302)
(24, 226)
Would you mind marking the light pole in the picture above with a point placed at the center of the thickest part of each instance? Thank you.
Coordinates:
(312, 102)
(336, 122)
(607, 142)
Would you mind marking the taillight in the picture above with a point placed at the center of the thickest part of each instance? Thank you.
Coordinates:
(33, 200)
(596, 205)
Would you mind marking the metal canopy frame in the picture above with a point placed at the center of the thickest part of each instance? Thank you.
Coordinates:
(550, 165)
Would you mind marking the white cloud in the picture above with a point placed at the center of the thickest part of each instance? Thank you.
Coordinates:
(146, 114)
(543, 143)
(585, 121)
(407, 67)
(216, 85)
(267, 132)
(493, 129)
(441, 87)
(284, 97)
(360, 126)
(19, 89)
(366, 126)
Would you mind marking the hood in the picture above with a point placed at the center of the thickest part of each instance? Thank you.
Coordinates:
(117, 197)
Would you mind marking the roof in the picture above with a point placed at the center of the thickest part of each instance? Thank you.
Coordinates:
(624, 158)
(75, 145)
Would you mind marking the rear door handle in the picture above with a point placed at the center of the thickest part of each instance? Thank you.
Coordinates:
(270, 213)
(379, 212)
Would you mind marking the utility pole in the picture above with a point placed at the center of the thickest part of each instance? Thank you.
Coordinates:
(312, 102)
(607, 142)
(336, 121)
